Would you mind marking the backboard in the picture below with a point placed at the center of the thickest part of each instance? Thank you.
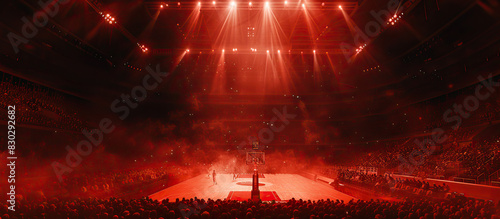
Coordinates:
(257, 157)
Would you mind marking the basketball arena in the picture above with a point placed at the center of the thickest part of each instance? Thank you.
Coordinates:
(205, 109)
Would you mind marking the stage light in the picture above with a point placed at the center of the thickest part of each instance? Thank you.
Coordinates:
(199, 3)
(267, 51)
(358, 50)
(161, 6)
(340, 6)
(303, 6)
(223, 50)
(213, 2)
(267, 4)
(314, 51)
(178, 4)
(249, 3)
(286, 2)
(143, 48)
(187, 50)
(233, 3)
(110, 19)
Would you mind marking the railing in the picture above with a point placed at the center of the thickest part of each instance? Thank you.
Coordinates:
(481, 178)
(494, 177)
(465, 180)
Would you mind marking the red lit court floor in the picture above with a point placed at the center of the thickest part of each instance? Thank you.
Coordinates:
(284, 186)
(248, 175)
(243, 196)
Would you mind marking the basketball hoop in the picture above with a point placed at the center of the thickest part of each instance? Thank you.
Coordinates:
(256, 157)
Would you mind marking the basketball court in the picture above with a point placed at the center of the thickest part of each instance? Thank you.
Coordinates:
(278, 187)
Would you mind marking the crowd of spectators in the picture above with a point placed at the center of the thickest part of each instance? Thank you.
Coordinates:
(114, 208)
(480, 158)
(106, 183)
(389, 185)
(38, 105)
(459, 156)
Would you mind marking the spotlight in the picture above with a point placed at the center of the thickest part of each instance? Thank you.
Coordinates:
(143, 48)
(303, 5)
(161, 6)
(213, 2)
(267, 4)
(340, 6)
(187, 50)
(286, 2)
(199, 3)
(278, 51)
(314, 51)
(110, 19)
(233, 3)
(249, 3)
(222, 50)
(267, 51)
